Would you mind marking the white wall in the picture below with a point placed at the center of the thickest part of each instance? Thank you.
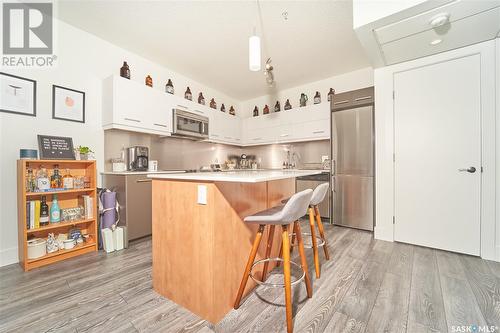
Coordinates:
(361, 78)
(83, 62)
(497, 88)
(384, 148)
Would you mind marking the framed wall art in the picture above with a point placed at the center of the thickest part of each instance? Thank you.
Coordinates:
(68, 104)
(17, 95)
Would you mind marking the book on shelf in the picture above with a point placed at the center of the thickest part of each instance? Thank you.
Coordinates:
(37, 213)
(87, 202)
(32, 215)
(27, 215)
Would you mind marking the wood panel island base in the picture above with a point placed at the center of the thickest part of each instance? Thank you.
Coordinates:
(200, 249)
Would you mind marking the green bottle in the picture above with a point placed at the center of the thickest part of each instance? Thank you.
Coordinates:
(55, 211)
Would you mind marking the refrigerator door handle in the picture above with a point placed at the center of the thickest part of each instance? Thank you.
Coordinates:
(333, 184)
(334, 169)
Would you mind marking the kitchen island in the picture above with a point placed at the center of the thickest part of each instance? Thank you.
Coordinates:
(200, 242)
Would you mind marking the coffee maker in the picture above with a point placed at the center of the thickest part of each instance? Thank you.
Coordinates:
(137, 158)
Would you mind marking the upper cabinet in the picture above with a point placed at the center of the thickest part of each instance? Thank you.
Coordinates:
(300, 124)
(131, 106)
(423, 28)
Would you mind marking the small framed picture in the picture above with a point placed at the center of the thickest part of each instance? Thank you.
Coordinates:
(17, 95)
(68, 104)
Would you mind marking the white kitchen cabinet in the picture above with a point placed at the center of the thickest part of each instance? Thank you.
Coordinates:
(128, 105)
(224, 128)
(132, 106)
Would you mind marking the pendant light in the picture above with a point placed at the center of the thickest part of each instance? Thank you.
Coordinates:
(254, 52)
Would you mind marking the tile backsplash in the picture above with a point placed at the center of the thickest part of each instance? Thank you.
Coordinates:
(179, 154)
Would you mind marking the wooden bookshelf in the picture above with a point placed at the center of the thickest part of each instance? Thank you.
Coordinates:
(66, 199)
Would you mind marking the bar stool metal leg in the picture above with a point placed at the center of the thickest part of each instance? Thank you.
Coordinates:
(314, 243)
(321, 232)
(250, 262)
(288, 279)
(270, 239)
(303, 259)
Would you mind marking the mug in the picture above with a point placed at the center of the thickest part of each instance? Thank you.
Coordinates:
(153, 165)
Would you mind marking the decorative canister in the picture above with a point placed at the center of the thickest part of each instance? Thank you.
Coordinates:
(69, 244)
(37, 248)
(28, 154)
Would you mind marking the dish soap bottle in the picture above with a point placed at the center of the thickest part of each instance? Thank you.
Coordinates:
(44, 211)
(55, 211)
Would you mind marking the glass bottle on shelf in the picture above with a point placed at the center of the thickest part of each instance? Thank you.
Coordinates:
(125, 71)
(55, 211)
(317, 98)
(68, 180)
(277, 106)
(30, 181)
(330, 94)
(256, 111)
(288, 106)
(149, 81)
(223, 108)
(232, 111)
(44, 211)
(42, 179)
(201, 99)
(213, 105)
(56, 179)
(188, 95)
(265, 110)
(169, 87)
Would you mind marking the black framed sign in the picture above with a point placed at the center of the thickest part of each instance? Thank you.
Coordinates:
(17, 95)
(55, 148)
(68, 104)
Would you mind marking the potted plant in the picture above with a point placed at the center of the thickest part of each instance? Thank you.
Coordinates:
(83, 153)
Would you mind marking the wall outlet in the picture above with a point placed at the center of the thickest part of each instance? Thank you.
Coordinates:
(202, 194)
(324, 158)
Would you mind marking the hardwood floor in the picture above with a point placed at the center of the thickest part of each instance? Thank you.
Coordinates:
(366, 286)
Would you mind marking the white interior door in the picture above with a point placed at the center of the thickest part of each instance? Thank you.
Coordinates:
(437, 127)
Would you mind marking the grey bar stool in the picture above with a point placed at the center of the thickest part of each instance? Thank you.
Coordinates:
(285, 215)
(317, 197)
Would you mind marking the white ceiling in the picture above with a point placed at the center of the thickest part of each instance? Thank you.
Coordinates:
(208, 40)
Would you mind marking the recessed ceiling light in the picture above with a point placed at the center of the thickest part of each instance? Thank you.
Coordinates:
(436, 41)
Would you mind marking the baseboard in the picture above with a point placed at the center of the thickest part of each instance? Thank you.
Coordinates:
(386, 234)
(8, 256)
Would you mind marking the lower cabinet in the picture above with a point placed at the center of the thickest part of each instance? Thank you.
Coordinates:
(133, 193)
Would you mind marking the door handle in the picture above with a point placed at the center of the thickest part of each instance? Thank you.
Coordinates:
(469, 170)
(143, 180)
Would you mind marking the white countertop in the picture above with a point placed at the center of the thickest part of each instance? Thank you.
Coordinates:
(126, 173)
(250, 176)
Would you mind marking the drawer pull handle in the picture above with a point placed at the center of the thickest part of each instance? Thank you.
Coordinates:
(341, 102)
(318, 132)
(284, 135)
(362, 98)
(131, 119)
(161, 125)
(143, 180)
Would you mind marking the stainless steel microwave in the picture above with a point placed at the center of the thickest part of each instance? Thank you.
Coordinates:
(191, 125)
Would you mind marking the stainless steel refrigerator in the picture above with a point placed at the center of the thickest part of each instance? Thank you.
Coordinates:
(352, 166)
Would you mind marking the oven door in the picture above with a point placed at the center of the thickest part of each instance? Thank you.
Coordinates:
(190, 125)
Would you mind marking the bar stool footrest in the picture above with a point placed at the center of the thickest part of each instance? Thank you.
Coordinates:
(319, 241)
(275, 285)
